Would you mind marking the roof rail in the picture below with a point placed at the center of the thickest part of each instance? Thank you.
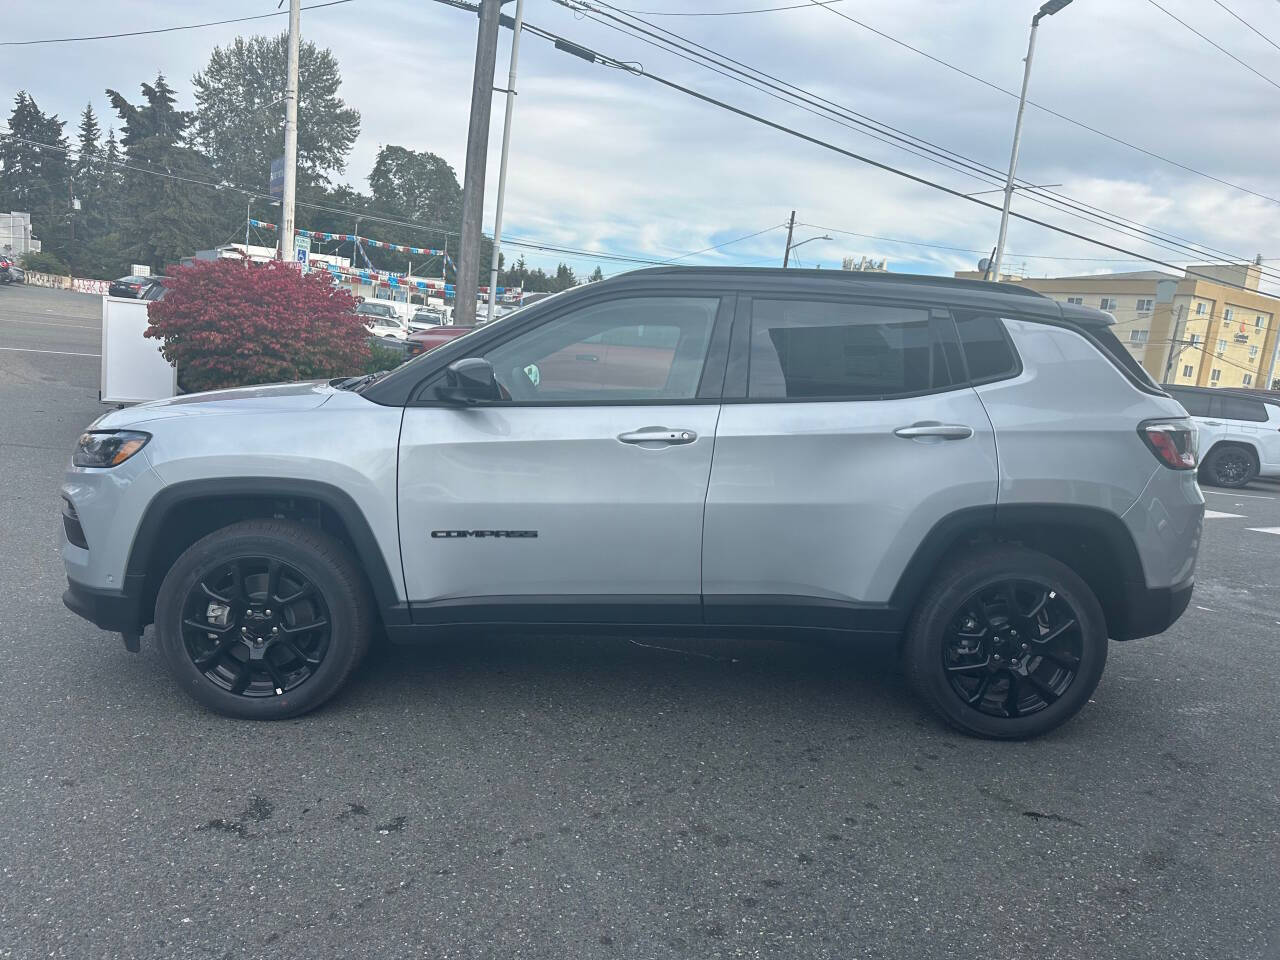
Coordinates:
(851, 276)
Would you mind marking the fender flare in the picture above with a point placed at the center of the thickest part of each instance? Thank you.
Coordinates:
(368, 551)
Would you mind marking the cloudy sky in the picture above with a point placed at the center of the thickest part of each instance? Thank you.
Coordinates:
(607, 161)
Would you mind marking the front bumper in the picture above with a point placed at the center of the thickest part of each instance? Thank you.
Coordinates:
(117, 610)
(1151, 610)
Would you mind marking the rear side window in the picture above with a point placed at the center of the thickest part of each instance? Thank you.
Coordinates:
(1197, 404)
(1238, 408)
(987, 350)
(810, 350)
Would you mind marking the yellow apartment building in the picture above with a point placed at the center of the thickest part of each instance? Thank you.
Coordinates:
(1183, 329)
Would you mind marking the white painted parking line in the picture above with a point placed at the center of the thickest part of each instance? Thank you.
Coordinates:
(1239, 496)
(61, 353)
(1275, 530)
(1215, 515)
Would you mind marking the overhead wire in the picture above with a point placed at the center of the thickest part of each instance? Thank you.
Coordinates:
(1247, 24)
(189, 26)
(1049, 110)
(778, 88)
(595, 56)
(1213, 43)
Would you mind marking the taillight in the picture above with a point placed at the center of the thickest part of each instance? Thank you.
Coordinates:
(1172, 441)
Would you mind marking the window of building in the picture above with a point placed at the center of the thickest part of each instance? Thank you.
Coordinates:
(1253, 353)
(1248, 379)
(1227, 314)
(1107, 303)
(808, 349)
(1138, 336)
(1257, 322)
(1188, 370)
(1076, 300)
(1196, 339)
(1200, 309)
(1215, 375)
(1222, 346)
(1145, 304)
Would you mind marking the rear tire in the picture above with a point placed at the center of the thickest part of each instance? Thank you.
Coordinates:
(263, 619)
(1229, 465)
(1007, 643)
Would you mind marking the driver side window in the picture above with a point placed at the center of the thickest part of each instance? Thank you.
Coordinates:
(642, 348)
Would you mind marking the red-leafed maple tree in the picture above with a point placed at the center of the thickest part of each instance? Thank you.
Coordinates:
(225, 324)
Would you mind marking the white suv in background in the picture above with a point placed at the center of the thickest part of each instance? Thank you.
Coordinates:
(1239, 434)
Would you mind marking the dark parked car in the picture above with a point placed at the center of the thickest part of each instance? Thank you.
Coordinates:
(6, 269)
(134, 287)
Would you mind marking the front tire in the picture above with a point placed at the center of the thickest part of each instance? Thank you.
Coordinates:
(1008, 643)
(263, 619)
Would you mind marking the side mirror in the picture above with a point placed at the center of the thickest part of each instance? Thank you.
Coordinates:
(469, 380)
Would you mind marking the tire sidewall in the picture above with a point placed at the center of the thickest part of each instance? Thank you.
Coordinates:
(929, 626)
(1216, 456)
(225, 546)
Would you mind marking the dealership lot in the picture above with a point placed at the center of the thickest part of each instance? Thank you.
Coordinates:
(642, 797)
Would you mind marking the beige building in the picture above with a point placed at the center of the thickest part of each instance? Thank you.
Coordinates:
(1228, 335)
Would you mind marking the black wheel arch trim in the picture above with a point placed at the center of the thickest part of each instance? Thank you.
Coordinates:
(1005, 521)
(368, 552)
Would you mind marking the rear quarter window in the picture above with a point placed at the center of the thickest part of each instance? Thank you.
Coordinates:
(988, 353)
(1195, 403)
(1238, 408)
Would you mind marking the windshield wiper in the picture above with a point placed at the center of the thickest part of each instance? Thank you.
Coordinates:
(351, 383)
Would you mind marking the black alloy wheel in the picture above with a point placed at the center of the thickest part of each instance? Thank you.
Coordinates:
(1229, 467)
(256, 627)
(264, 619)
(1006, 642)
(1013, 649)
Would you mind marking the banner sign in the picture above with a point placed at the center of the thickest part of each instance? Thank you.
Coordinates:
(352, 238)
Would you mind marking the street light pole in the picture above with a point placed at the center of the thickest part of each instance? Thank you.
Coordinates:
(506, 146)
(1047, 10)
(791, 246)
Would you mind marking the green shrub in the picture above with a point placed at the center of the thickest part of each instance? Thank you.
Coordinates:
(383, 358)
(37, 261)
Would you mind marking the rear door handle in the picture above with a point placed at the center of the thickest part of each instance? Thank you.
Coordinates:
(658, 435)
(931, 428)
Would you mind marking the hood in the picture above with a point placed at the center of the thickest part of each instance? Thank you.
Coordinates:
(265, 398)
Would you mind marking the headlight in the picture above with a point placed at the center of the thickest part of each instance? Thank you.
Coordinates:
(108, 448)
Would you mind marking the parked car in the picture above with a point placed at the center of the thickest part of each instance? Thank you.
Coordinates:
(131, 286)
(382, 321)
(6, 269)
(427, 318)
(426, 340)
(1239, 433)
(973, 470)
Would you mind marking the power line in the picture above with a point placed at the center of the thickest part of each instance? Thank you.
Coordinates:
(594, 56)
(780, 89)
(724, 13)
(1216, 46)
(189, 26)
(940, 246)
(727, 243)
(1042, 107)
(1247, 23)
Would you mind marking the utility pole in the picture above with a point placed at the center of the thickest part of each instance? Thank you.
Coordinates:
(464, 309)
(786, 253)
(1176, 345)
(248, 207)
(502, 169)
(290, 135)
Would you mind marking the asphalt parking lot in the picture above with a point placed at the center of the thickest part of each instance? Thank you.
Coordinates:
(575, 797)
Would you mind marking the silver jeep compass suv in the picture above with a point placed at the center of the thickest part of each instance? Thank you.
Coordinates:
(975, 470)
